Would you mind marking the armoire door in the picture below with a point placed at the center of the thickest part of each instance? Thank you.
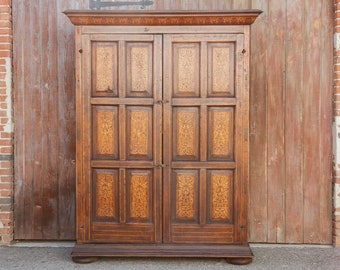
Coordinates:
(203, 138)
(123, 137)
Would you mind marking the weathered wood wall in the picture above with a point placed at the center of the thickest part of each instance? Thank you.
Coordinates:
(291, 112)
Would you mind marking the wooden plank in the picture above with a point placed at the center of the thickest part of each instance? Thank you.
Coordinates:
(241, 4)
(312, 121)
(66, 118)
(326, 89)
(294, 121)
(36, 120)
(44, 168)
(24, 182)
(49, 119)
(276, 125)
(258, 196)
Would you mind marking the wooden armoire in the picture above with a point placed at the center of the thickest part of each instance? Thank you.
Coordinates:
(162, 112)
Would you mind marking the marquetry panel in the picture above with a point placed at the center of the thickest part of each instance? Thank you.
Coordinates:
(186, 133)
(105, 132)
(105, 195)
(139, 133)
(221, 69)
(139, 69)
(220, 196)
(186, 61)
(139, 195)
(221, 133)
(185, 190)
(104, 68)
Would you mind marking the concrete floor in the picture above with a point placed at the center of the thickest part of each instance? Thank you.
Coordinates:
(55, 256)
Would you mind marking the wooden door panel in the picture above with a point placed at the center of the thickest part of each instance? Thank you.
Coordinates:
(105, 195)
(185, 194)
(221, 63)
(185, 133)
(220, 203)
(221, 133)
(125, 120)
(203, 85)
(186, 61)
(105, 68)
(139, 196)
(139, 69)
(139, 133)
(105, 132)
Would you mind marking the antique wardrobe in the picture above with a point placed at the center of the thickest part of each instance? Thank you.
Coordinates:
(162, 113)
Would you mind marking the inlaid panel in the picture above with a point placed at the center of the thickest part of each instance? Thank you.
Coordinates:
(220, 196)
(186, 133)
(139, 195)
(185, 192)
(186, 69)
(104, 68)
(221, 133)
(139, 133)
(105, 132)
(105, 195)
(139, 69)
(221, 69)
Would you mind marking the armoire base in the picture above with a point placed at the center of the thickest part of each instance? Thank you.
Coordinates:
(234, 254)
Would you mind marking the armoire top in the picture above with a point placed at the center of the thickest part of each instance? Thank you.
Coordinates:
(165, 18)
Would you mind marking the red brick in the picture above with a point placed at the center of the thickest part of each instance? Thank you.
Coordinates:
(5, 24)
(5, 39)
(5, 135)
(6, 193)
(6, 179)
(5, 16)
(6, 150)
(7, 171)
(6, 2)
(5, 9)
(6, 31)
(8, 215)
(6, 230)
(6, 53)
(5, 46)
(6, 164)
(6, 186)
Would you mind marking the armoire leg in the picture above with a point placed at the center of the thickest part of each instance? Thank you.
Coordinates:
(80, 259)
(239, 261)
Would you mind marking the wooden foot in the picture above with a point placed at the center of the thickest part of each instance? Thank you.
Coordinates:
(80, 259)
(239, 261)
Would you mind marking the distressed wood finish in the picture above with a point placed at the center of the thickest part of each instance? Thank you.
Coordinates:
(291, 112)
(180, 115)
(307, 36)
(44, 111)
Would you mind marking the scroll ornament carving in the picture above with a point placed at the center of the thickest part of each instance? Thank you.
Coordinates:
(185, 196)
(139, 132)
(105, 120)
(105, 196)
(220, 203)
(139, 205)
(140, 71)
(221, 133)
(186, 70)
(185, 133)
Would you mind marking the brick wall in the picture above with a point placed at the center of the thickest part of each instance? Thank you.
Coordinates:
(6, 124)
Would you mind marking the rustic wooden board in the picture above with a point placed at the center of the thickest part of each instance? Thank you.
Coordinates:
(45, 124)
(291, 93)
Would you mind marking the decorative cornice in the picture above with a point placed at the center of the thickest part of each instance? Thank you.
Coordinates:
(155, 18)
